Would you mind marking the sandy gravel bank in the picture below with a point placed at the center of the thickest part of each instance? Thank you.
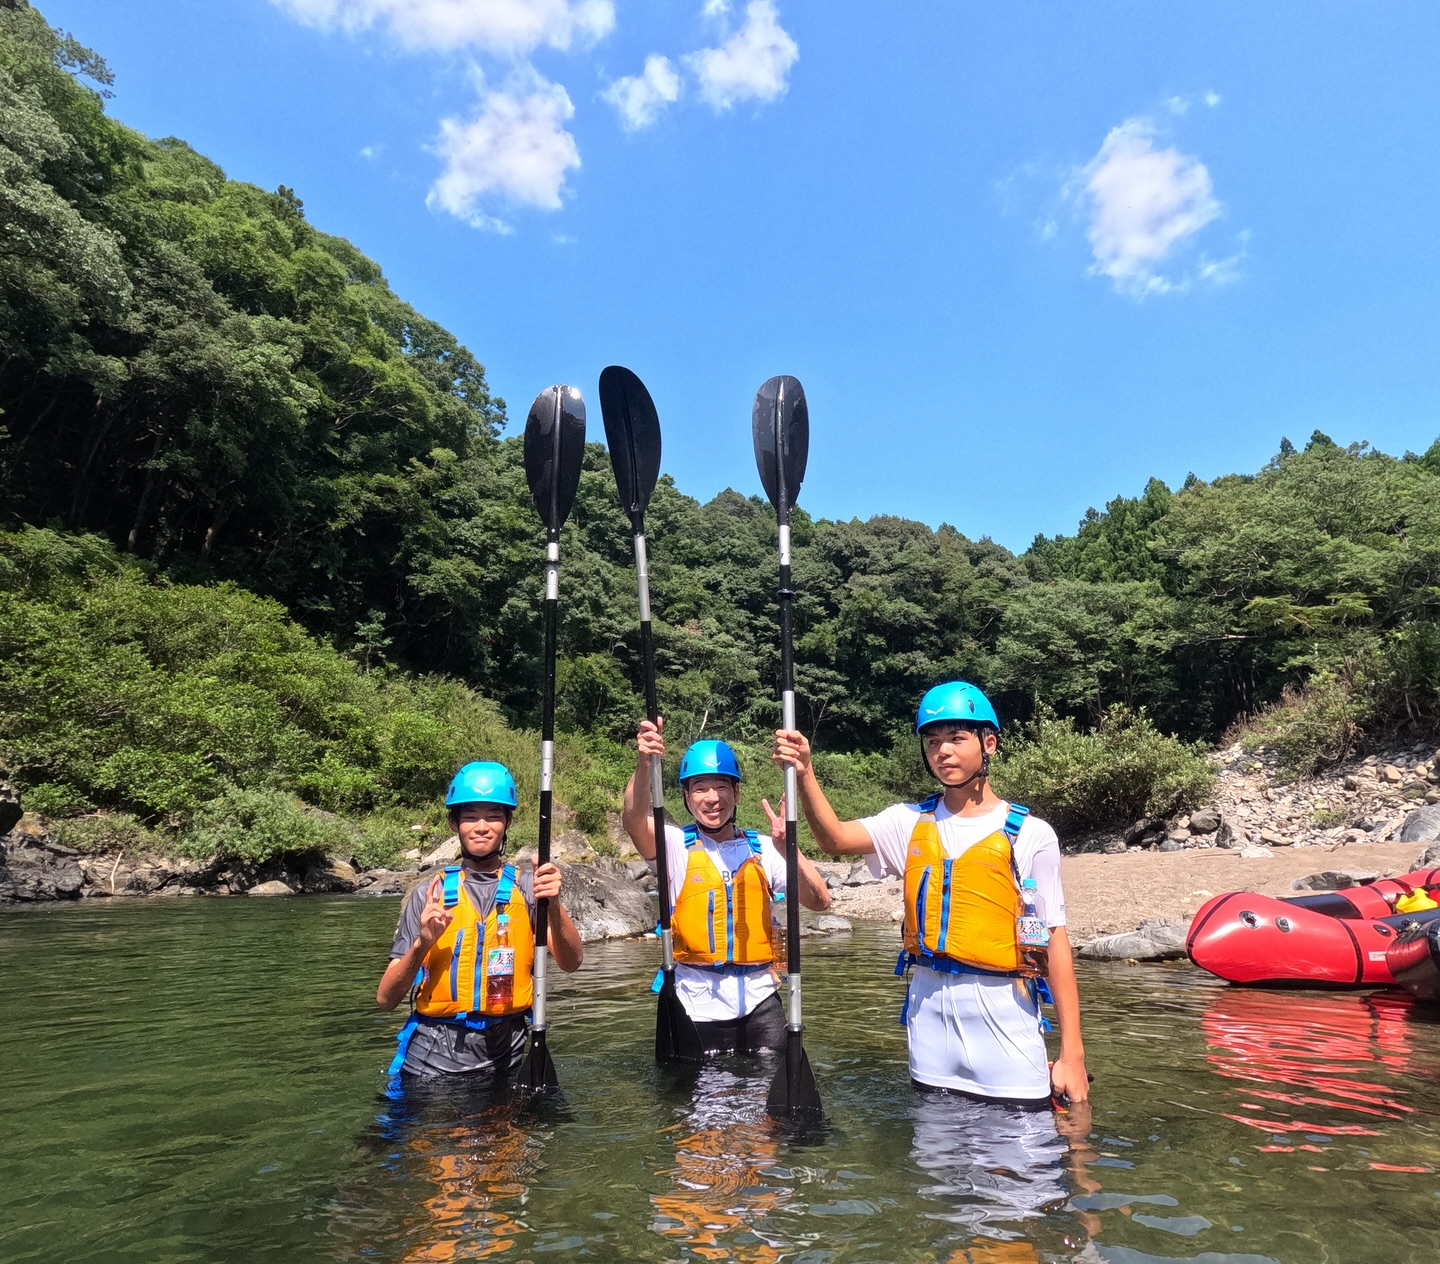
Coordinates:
(1105, 894)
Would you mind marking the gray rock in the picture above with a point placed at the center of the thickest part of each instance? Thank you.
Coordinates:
(10, 809)
(382, 882)
(1272, 839)
(1332, 880)
(1428, 859)
(638, 870)
(1421, 825)
(34, 869)
(330, 876)
(1255, 853)
(142, 875)
(1113, 846)
(1145, 825)
(1172, 844)
(860, 875)
(1227, 836)
(446, 854)
(605, 903)
(1205, 821)
(274, 887)
(1155, 939)
(831, 924)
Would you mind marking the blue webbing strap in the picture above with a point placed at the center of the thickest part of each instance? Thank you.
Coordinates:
(692, 834)
(450, 887)
(506, 886)
(1014, 819)
(927, 806)
(753, 839)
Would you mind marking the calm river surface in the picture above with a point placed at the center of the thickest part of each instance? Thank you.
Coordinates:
(201, 1080)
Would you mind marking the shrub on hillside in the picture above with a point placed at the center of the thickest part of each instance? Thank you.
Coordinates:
(253, 826)
(1124, 769)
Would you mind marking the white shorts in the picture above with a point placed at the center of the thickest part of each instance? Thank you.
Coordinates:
(976, 1033)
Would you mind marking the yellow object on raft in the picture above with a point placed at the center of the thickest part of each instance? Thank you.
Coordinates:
(1417, 901)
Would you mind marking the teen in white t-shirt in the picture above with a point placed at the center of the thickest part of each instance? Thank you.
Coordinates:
(735, 1008)
(973, 1033)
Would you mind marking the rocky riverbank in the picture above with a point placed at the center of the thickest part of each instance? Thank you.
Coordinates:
(1261, 832)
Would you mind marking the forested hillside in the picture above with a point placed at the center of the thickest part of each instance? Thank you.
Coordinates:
(229, 396)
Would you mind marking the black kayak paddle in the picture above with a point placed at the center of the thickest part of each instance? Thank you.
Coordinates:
(632, 429)
(781, 424)
(554, 448)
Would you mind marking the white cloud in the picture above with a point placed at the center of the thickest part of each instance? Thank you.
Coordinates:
(1144, 203)
(370, 151)
(1213, 98)
(640, 98)
(500, 26)
(752, 64)
(716, 8)
(514, 150)
(1178, 105)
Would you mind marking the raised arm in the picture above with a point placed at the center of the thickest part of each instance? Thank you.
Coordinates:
(813, 894)
(637, 815)
(400, 973)
(1068, 1075)
(836, 837)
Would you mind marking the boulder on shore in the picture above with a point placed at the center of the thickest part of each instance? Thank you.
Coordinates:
(1155, 939)
(275, 887)
(1421, 826)
(33, 869)
(604, 902)
(10, 809)
(1333, 880)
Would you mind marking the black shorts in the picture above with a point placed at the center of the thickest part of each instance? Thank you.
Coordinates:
(762, 1028)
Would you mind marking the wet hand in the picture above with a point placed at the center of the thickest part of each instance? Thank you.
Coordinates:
(546, 882)
(1069, 1079)
(791, 748)
(434, 917)
(649, 739)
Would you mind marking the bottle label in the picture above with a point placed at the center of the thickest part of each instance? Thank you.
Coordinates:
(1031, 931)
(500, 961)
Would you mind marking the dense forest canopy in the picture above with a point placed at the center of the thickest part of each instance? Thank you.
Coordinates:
(229, 395)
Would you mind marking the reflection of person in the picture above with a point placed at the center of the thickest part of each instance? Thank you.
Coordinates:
(721, 1195)
(451, 941)
(972, 1018)
(992, 1167)
(721, 883)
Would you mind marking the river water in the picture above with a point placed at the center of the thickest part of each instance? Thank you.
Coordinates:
(201, 1080)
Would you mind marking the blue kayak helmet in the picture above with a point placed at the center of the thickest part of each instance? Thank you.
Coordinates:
(956, 702)
(709, 759)
(482, 782)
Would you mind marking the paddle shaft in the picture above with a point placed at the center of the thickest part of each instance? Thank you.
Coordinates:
(657, 773)
(547, 750)
(787, 707)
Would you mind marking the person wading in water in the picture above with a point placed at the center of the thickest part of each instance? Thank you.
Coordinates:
(972, 1011)
(722, 882)
(466, 941)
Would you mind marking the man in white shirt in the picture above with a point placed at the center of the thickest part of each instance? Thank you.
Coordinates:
(722, 881)
(972, 1029)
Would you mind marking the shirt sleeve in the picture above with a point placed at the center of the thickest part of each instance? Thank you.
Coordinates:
(890, 833)
(407, 930)
(677, 858)
(1037, 855)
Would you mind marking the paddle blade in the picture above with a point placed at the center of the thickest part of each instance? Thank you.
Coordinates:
(554, 449)
(792, 1092)
(537, 1072)
(781, 424)
(632, 429)
(676, 1037)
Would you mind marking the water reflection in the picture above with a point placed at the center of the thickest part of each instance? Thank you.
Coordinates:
(1304, 1059)
(464, 1153)
(994, 1167)
(726, 1148)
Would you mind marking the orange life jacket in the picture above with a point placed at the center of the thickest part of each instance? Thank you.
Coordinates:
(452, 980)
(721, 919)
(962, 911)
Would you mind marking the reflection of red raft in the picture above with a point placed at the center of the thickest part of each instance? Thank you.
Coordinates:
(1337, 940)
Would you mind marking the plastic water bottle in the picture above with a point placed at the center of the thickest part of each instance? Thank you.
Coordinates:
(1031, 933)
(500, 968)
(779, 928)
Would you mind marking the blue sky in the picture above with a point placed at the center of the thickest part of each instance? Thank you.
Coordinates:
(1022, 257)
